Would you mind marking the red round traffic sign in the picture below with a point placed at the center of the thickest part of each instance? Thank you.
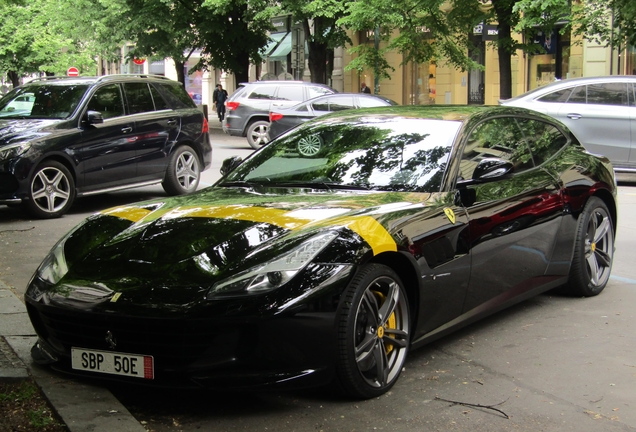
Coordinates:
(72, 71)
(139, 61)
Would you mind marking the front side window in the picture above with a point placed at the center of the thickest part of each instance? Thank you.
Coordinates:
(500, 138)
(607, 94)
(108, 101)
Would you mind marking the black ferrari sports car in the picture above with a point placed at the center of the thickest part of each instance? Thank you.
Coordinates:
(330, 253)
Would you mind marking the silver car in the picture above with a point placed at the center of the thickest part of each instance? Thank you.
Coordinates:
(600, 111)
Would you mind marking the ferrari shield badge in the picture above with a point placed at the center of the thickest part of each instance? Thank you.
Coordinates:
(450, 214)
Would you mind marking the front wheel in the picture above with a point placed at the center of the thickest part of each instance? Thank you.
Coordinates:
(373, 332)
(51, 191)
(183, 173)
(257, 134)
(593, 250)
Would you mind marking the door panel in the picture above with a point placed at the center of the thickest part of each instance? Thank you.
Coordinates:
(599, 116)
(106, 152)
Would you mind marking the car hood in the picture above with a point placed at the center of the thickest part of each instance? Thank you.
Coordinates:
(13, 130)
(177, 248)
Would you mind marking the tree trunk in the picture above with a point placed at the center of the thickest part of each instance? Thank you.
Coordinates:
(14, 78)
(505, 70)
(242, 75)
(180, 67)
(318, 62)
(505, 19)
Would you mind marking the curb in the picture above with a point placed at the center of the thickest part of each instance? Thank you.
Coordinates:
(81, 406)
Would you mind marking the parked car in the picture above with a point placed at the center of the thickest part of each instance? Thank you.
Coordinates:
(281, 120)
(65, 137)
(247, 109)
(295, 270)
(600, 112)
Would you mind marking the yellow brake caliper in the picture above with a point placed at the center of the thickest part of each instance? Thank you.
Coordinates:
(390, 323)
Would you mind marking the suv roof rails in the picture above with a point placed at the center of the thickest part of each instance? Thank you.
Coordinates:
(99, 78)
(119, 76)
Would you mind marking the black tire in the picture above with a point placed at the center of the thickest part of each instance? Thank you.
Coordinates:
(373, 332)
(257, 134)
(183, 173)
(51, 191)
(593, 250)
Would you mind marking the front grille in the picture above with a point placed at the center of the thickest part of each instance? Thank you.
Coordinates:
(175, 343)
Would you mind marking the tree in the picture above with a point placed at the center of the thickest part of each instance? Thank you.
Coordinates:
(34, 40)
(322, 34)
(425, 30)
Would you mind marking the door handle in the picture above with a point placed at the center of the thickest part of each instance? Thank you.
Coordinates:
(172, 122)
(126, 129)
(574, 116)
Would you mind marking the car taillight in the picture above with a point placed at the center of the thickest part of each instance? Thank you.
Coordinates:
(206, 127)
(275, 116)
(232, 105)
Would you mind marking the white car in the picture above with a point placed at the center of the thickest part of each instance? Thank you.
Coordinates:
(600, 111)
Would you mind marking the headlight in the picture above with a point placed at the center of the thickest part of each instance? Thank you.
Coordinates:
(272, 274)
(14, 150)
(54, 267)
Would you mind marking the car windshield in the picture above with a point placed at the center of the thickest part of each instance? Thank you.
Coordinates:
(40, 101)
(381, 153)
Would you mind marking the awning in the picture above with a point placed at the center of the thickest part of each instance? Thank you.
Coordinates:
(276, 38)
(282, 50)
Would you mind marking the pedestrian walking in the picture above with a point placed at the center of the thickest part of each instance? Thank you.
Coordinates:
(219, 96)
(364, 88)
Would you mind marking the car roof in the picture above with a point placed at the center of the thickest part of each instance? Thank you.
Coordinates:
(457, 113)
(282, 82)
(571, 82)
(65, 80)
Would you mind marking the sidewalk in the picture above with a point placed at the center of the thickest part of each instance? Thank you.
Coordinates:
(81, 406)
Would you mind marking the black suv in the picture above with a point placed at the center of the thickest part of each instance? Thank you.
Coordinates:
(63, 137)
(247, 109)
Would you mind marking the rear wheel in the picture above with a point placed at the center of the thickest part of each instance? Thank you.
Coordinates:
(257, 134)
(593, 251)
(51, 191)
(183, 173)
(373, 332)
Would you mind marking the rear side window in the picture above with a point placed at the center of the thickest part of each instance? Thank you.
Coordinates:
(263, 92)
(138, 97)
(579, 95)
(108, 101)
(544, 139)
(334, 104)
(160, 102)
(315, 91)
(557, 96)
(291, 93)
(176, 95)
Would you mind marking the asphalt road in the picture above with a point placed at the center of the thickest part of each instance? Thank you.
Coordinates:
(551, 363)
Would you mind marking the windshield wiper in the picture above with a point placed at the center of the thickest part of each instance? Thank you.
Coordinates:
(239, 184)
(319, 185)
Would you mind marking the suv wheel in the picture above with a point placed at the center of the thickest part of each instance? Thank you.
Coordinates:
(51, 191)
(257, 134)
(184, 172)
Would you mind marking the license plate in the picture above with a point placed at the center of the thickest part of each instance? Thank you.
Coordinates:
(113, 363)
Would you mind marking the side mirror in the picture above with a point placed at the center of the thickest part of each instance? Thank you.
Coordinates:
(230, 165)
(492, 168)
(94, 117)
